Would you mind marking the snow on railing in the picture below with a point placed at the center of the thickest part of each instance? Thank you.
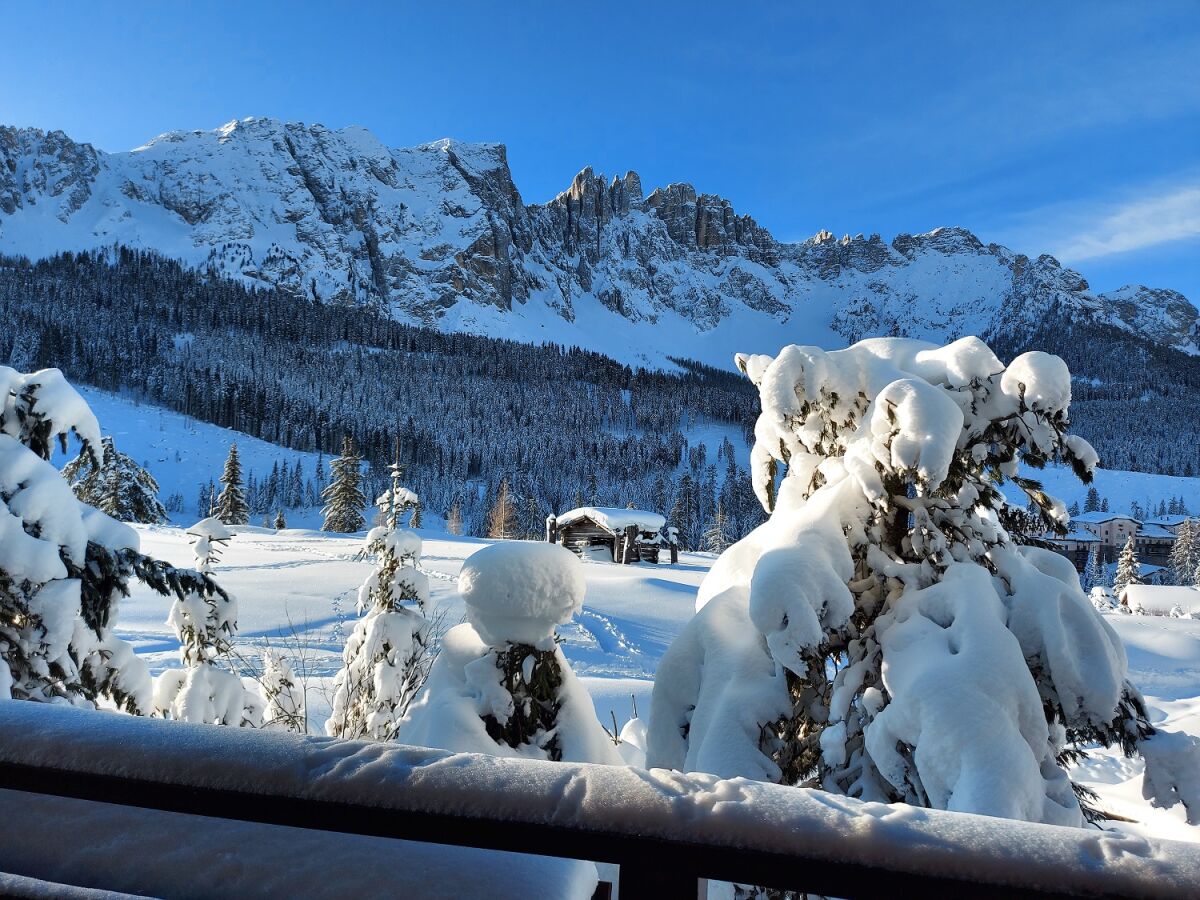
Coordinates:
(665, 829)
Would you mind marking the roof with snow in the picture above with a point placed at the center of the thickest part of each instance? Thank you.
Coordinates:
(1168, 521)
(1095, 518)
(1156, 531)
(1162, 599)
(614, 519)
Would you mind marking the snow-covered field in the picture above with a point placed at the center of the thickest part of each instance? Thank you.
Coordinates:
(296, 589)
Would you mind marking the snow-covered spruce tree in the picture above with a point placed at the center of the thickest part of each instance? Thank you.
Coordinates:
(232, 508)
(1129, 570)
(204, 620)
(343, 496)
(395, 501)
(118, 486)
(881, 635)
(388, 655)
(280, 522)
(1093, 571)
(501, 685)
(716, 536)
(64, 565)
(1184, 555)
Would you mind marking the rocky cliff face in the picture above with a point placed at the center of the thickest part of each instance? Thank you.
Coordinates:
(439, 234)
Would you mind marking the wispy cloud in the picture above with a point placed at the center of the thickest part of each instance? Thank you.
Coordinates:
(1159, 219)
(1093, 229)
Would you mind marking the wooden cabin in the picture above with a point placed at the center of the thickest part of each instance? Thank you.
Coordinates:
(622, 535)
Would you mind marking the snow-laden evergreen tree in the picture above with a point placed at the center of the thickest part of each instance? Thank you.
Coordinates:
(716, 537)
(1091, 502)
(685, 514)
(415, 520)
(1093, 572)
(204, 620)
(284, 698)
(502, 519)
(1129, 570)
(343, 496)
(501, 685)
(396, 500)
(64, 565)
(280, 522)
(118, 486)
(231, 502)
(1185, 553)
(882, 635)
(387, 657)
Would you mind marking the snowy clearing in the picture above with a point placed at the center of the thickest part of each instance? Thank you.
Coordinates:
(296, 588)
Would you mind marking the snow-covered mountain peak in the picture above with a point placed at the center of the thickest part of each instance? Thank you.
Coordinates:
(439, 234)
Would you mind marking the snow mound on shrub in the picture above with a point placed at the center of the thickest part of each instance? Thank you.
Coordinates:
(518, 593)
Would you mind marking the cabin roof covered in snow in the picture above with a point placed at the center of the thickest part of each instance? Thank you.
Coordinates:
(613, 518)
(1162, 598)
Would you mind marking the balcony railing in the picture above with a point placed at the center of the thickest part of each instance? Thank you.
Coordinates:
(665, 830)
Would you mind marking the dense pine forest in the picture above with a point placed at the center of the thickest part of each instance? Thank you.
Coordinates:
(560, 426)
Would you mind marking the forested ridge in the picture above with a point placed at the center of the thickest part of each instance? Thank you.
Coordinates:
(562, 425)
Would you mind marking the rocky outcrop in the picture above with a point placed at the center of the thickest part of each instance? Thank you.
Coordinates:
(38, 167)
(440, 234)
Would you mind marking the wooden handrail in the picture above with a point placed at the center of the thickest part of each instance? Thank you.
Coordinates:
(665, 830)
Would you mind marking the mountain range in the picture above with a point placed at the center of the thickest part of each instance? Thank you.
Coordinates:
(440, 235)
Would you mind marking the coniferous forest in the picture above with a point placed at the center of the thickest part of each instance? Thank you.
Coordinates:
(563, 426)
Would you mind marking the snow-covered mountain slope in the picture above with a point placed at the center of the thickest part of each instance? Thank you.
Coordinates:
(440, 235)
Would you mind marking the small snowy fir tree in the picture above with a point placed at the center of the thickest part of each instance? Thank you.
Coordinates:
(205, 621)
(284, 698)
(1128, 568)
(882, 635)
(1103, 600)
(280, 522)
(231, 503)
(501, 685)
(502, 520)
(716, 535)
(118, 486)
(387, 657)
(1092, 572)
(415, 520)
(343, 496)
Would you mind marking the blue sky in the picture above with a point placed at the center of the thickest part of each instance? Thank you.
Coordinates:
(1070, 128)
